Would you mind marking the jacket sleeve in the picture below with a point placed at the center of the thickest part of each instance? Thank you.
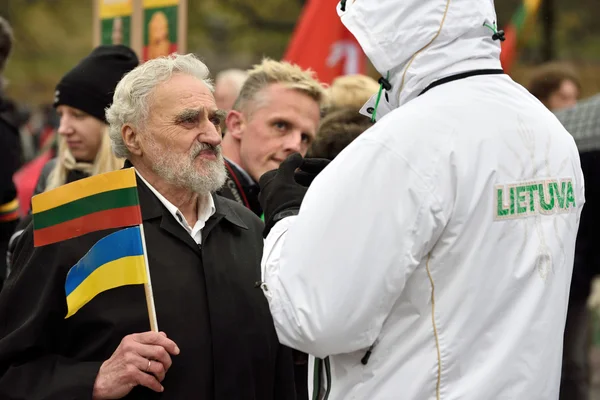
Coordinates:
(333, 273)
(33, 364)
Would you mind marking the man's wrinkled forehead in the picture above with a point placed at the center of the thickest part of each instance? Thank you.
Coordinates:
(176, 94)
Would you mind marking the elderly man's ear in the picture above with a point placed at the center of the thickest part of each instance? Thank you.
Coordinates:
(235, 123)
(131, 140)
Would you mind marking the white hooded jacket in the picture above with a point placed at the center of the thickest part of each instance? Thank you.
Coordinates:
(432, 258)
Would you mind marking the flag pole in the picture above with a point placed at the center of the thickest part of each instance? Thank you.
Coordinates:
(148, 285)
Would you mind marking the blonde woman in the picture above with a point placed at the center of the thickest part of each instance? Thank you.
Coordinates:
(80, 99)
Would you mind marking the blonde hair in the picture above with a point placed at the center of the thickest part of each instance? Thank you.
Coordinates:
(105, 161)
(269, 72)
(352, 91)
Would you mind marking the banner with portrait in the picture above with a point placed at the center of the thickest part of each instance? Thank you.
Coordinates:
(163, 24)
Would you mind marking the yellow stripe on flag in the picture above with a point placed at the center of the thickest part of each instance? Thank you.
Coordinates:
(532, 5)
(121, 272)
(115, 8)
(10, 206)
(160, 3)
(120, 179)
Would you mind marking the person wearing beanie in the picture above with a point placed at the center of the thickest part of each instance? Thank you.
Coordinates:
(81, 97)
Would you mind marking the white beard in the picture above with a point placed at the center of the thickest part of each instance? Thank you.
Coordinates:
(198, 175)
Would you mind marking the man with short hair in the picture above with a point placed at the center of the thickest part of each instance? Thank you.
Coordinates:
(276, 114)
(228, 84)
(204, 254)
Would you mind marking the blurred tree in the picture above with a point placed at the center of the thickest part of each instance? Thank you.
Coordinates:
(50, 37)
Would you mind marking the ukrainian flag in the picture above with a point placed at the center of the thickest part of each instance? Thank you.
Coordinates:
(116, 260)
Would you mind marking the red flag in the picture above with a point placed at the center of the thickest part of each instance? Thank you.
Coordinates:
(322, 43)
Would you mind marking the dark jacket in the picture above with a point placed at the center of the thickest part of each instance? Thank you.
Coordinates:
(206, 301)
(10, 161)
(583, 123)
(238, 188)
(43, 179)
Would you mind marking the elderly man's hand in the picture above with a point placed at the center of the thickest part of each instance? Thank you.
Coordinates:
(141, 359)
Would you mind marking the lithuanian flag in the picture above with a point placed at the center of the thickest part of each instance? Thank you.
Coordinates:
(9, 211)
(517, 30)
(99, 202)
(116, 260)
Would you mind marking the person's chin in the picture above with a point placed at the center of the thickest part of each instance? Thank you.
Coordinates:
(80, 156)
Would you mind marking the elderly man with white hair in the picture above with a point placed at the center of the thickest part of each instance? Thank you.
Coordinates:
(204, 253)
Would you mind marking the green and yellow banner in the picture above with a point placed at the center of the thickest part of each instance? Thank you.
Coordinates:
(115, 21)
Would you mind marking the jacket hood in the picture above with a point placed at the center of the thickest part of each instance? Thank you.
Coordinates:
(419, 42)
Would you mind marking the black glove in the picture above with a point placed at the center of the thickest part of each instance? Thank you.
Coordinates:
(282, 190)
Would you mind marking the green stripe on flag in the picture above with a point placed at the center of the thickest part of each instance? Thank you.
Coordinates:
(99, 202)
(518, 19)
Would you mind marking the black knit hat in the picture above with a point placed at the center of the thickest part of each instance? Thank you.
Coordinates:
(90, 86)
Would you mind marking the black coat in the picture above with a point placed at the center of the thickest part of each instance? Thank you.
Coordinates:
(238, 189)
(587, 260)
(206, 301)
(10, 161)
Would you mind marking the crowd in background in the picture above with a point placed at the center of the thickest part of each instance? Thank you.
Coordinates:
(39, 155)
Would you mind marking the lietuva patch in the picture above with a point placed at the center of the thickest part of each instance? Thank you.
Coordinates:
(525, 199)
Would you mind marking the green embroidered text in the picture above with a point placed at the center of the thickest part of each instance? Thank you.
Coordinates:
(533, 198)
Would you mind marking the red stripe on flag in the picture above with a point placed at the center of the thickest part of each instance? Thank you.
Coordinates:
(508, 54)
(114, 218)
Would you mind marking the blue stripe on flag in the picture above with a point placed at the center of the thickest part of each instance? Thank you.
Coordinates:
(123, 243)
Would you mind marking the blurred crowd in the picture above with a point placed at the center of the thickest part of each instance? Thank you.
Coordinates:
(68, 139)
